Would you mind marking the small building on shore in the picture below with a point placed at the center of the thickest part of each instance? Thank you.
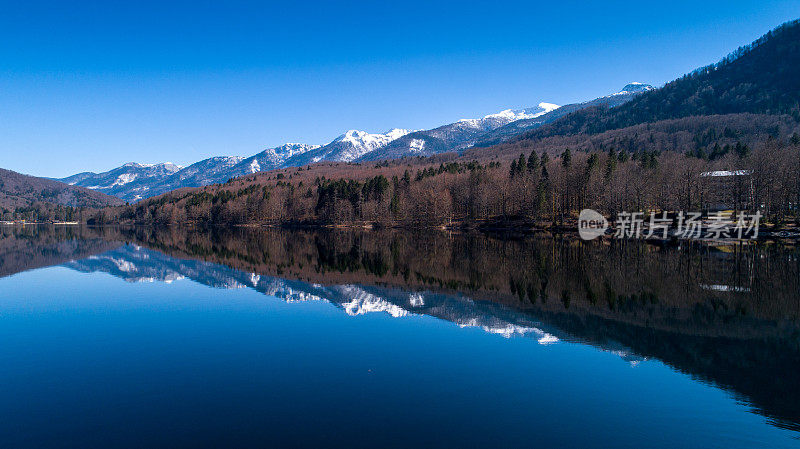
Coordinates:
(729, 189)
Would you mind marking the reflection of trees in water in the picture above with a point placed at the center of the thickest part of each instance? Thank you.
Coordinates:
(28, 247)
(725, 315)
(697, 287)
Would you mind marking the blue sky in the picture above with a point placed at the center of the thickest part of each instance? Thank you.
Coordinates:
(92, 86)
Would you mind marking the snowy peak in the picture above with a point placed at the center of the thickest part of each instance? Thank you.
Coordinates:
(290, 149)
(635, 88)
(454, 136)
(364, 140)
(168, 167)
(519, 114)
(498, 119)
(273, 157)
(396, 133)
(348, 147)
(354, 143)
(276, 156)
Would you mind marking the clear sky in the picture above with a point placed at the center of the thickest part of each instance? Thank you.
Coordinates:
(87, 87)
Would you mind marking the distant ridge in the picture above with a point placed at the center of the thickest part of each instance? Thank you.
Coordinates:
(759, 78)
(513, 129)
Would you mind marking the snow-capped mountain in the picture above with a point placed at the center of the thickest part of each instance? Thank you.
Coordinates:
(454, 136)
(510, 115)
(208, 171)
(122, 180)
(126, 183)
(348, 147)
(515, 128)
(272, 158)
(635, 88)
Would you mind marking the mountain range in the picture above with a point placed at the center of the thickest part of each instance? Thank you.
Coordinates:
(134, 181)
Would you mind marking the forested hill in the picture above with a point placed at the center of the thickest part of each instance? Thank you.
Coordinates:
(760, 78)
(20, 192)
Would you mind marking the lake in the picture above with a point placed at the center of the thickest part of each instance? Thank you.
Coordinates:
(144, 337)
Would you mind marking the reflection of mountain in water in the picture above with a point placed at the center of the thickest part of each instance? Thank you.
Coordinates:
(633, 299)
(136, 264)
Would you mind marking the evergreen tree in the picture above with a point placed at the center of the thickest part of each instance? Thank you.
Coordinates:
(611, 165)
(742, 150)
(545, 161)
(592, 162)
(716, 153)
(566, 158)
(533, 161)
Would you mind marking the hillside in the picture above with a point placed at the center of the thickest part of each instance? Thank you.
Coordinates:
(454, 136)
(131, 177)
(513, 129)
(760, 78)
(22, 194)
(705, 137)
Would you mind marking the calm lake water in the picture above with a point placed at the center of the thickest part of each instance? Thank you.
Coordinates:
(222, 338)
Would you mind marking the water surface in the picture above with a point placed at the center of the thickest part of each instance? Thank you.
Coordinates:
(170, 337)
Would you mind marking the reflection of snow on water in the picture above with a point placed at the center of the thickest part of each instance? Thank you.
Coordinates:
(137, 264)
(362, 302)
(508, 330)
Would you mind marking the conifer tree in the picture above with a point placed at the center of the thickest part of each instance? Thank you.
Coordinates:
(533, 161)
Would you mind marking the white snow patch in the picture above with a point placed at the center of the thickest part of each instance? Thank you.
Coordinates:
(547, 339)
(416, 145)
(124, 178)
(512, 115)
(362, 303)
(509, 330)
